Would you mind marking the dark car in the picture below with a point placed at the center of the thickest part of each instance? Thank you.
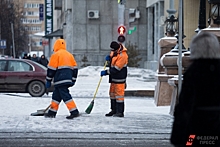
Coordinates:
(23, 76)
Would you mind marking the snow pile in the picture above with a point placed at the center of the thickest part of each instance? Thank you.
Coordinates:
(138, 73)
(141, 74)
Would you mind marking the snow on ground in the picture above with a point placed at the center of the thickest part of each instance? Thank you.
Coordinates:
(15, 108)
(88, 79)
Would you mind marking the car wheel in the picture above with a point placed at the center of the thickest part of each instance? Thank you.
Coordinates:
(36, 89)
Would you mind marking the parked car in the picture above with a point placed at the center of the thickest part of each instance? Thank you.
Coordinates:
(23, 76)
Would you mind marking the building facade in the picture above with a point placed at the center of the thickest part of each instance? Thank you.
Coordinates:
(157, 13)
(34, 23)
(90, 37)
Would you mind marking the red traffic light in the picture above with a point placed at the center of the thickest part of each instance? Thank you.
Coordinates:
(121, 30)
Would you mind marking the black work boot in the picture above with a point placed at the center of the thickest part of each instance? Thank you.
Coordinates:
(118, 115)
(73, 114)
(120, 110)
(110, 113)
(50, 114)
(113, 107)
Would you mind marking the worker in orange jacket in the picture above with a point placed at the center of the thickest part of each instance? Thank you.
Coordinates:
(62, 68)
(117, 77)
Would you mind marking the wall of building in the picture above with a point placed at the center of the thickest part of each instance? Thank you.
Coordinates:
(34, 41)
(91, 37)
(190, 21)
(152, 2)
(157, 12)
(191, 17)
(155, 32)
(138, 37)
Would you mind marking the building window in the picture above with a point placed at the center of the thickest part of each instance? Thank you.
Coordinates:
(25, 5)
(35, 29)
(30, 13)
(31, 5)
(30, 21)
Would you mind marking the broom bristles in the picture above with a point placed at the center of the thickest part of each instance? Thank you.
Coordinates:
(89, 108)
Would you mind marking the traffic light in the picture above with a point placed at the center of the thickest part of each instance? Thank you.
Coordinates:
(121, 32)
(121, 2)
(133, 15)
(131, 30)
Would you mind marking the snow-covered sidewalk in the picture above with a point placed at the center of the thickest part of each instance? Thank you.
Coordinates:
(141, 114)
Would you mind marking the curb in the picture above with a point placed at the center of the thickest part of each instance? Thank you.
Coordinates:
(86, 135)
(139, 93)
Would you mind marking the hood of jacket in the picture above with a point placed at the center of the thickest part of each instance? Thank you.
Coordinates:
(59, 44)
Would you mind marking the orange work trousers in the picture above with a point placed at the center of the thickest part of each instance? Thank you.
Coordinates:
(117, 92)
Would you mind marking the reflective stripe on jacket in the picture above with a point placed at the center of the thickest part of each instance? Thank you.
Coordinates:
(62, 66)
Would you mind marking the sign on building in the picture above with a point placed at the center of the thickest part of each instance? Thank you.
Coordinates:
(3, 44)
(41, 12)
(48, 16)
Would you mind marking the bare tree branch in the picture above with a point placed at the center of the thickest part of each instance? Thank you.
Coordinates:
(12, 12)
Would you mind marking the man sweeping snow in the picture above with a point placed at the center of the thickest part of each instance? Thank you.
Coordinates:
(117, 77)
(62, 68)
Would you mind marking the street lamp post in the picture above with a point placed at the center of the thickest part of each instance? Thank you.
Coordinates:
(30, 42)
(170, 26)
(180, 46)
(10, 6)
(180, 34)
(13, 41)
(170, 21)
(202, 16)
(121, 9)
(214, 18)
(215, 12)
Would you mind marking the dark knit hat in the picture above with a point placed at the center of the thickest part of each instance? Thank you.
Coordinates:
(114, 45)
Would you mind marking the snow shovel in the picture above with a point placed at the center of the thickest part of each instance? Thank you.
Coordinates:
(40, 112)
(89, 108)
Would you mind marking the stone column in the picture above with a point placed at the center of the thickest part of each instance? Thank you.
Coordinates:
(163, 90)
(166, 45)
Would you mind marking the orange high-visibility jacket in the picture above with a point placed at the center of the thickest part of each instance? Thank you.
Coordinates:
(62, 67)
(118, 70)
